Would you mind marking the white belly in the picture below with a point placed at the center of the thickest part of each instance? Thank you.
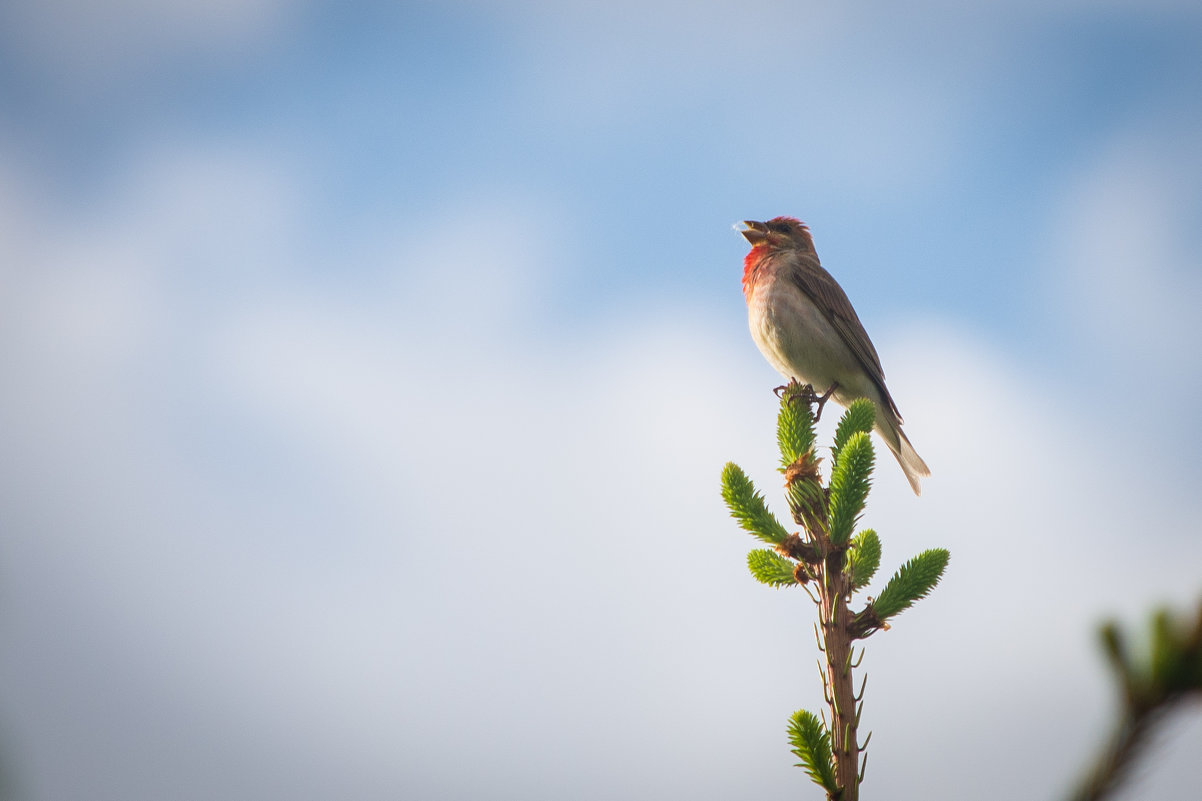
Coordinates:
(799, 341)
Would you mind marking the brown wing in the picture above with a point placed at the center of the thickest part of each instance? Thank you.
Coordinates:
(813, 279)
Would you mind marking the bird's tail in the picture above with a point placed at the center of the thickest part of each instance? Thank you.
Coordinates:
(911, 463)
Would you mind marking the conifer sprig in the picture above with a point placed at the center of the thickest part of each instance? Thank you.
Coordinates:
(812, 745)
(831, 564)
(748, 508)
(771, 568)
(912, 581)
(794, 425)
(864, 557)
(850, 482)
(859, 418)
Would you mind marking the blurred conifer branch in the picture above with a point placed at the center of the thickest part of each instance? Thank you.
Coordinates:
(1169, 674)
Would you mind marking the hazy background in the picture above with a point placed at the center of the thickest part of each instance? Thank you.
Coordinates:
(366, 373)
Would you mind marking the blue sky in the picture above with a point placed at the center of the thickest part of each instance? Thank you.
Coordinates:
(370, 368)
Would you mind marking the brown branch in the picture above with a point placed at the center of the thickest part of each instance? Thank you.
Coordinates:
(834, 587)
(1124, 747)
(799, 550)
(1172, 675)
(826, 562)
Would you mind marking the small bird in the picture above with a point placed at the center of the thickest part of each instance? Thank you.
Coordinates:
(803, 323)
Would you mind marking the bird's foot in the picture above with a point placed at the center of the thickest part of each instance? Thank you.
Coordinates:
(797, 391)
(822, 399)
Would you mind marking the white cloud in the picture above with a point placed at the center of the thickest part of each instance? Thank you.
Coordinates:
(374, 535)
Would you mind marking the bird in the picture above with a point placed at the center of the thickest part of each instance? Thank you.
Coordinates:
(803, 323)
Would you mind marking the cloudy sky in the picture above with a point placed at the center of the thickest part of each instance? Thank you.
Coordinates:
(366, 373)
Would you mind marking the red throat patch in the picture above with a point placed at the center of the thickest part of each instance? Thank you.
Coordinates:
(751, 266)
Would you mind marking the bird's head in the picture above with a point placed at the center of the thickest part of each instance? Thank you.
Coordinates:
(778, 233)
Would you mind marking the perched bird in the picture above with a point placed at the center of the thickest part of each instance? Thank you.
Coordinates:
(806, 328)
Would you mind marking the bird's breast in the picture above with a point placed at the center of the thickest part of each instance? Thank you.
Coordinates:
(795, 335)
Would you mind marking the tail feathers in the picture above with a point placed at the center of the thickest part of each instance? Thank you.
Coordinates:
(911, 463)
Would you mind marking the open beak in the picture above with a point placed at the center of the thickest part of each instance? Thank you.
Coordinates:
(755, 232)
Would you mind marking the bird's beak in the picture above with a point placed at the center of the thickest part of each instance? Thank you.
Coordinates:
(755, 233)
